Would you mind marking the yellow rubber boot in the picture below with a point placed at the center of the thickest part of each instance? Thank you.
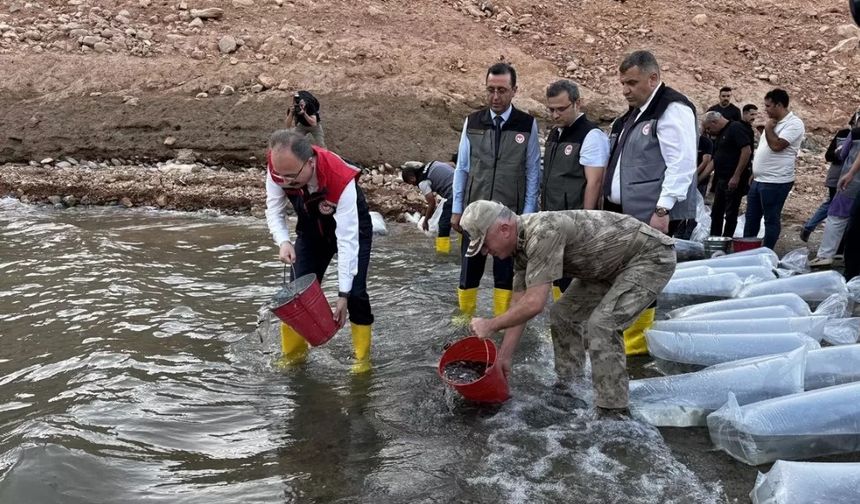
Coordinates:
(443, 244)
(468, 299)
(361, 345)
(556, 292)
(501, 301)
(294, 348)
(634, 336)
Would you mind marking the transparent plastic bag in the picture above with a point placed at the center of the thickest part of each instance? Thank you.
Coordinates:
(808, 483)
(703, 220)
(751, 314)
(810, 287)
(843, 331)
(707, 349)
(853, 287)
(733, 260)
(798, 426)
(812, 326)
(698, 271)
(379, 227)
(832, 366)
(722, 285)
(747, 272)
(797, 260)
(689, 250)
(788, 299)
(835, 306)
(685, 400)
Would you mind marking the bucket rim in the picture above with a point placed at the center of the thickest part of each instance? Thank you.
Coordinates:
(490, 365)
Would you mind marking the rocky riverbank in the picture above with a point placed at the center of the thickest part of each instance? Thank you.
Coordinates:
(178, 184)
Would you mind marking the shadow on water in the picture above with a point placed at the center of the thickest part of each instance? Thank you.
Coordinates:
(134, 369)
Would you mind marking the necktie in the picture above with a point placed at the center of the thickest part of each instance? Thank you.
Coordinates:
(497, 128)
(613, 160)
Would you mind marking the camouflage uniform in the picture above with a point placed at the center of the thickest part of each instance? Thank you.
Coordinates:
(620, 265)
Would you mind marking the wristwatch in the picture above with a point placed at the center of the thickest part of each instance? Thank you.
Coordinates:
(661, 212)
(343, 294)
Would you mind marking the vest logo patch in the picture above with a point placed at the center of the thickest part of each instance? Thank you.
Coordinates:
(326, 208)
(568, 150)
(520, 138)
(646, 129)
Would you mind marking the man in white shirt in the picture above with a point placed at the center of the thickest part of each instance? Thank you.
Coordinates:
(651, 173)
(332, 219)
(773, 167)
(652, 164)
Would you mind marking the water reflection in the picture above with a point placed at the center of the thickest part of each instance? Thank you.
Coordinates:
(135, 367)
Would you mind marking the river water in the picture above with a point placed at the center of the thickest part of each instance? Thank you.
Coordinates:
(133, 368)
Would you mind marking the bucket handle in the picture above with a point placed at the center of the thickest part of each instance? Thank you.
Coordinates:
(487, 347)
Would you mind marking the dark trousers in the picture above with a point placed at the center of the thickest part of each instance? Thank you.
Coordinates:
(445, 219)
(726, 205)
(316, 245)
(766, 199)
(472, 269)
(851, 240)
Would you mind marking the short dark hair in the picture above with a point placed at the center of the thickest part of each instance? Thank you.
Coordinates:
(777, 96)
(298, 144)
(748, 107)
(563, 86)
(503, 69)
(725, 89)
(642, 59)
(415, 172)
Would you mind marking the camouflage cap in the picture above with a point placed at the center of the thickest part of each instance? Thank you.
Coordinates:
(476, 221)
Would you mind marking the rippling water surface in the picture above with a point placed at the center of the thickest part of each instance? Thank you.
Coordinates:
(133, 368)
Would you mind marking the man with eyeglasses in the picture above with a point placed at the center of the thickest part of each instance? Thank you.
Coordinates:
(333, 218)
(575, 157)
(498, 159)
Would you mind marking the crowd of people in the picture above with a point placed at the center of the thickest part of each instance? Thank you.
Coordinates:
(591, 223)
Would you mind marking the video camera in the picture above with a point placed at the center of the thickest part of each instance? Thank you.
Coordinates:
(297, 107)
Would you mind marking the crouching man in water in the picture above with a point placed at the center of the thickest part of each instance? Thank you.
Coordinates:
(332, 218)
(619, 266)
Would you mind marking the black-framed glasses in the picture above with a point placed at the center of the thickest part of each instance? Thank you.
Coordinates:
(559, 110)
(292, 178)
(498, 91)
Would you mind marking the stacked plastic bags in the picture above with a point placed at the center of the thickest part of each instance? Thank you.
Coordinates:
(808, 483)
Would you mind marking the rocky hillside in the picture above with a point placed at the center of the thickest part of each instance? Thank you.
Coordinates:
(102, 79)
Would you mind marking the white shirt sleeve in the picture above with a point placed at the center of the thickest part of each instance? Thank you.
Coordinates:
(276, 211)
(461, 172)
(595, 149)
(793, 132)
(676, 131)
(426, 187)
(346, 232)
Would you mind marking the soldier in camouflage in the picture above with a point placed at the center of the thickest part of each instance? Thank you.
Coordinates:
(619, 266)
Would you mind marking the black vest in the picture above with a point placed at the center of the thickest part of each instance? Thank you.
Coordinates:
(563, 184)
(500, 178)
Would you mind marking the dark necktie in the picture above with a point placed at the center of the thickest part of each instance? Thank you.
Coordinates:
(616, 154)
(497, 129)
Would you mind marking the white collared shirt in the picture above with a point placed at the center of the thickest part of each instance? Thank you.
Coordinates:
(346, 228)
(778, 167)
(677, 134)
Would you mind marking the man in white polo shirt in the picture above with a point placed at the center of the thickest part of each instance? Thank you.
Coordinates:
(773, 167)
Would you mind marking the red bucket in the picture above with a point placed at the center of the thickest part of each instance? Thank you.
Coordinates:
(302, 305)
(741, 244)
(490, 388)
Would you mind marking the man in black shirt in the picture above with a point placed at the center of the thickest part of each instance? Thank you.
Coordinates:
(303, 116)
(728, 109)
(732, 150)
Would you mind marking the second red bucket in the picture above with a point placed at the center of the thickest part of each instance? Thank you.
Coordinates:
(302, 305)
(741, 244)
(492, 386)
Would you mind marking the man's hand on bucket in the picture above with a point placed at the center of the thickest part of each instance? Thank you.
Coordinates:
(287, 254)
(482, 328)
(340, 314)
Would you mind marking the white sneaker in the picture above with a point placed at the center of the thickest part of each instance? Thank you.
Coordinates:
(819, 262)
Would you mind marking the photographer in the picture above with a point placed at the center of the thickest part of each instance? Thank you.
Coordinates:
(304, 117)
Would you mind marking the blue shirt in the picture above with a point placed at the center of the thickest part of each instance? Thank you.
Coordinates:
(461, 172)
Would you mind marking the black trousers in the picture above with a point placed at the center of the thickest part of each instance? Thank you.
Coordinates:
(445, 219)
(726, 205)
(472, 269)
(316, 245)
(851, 241)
